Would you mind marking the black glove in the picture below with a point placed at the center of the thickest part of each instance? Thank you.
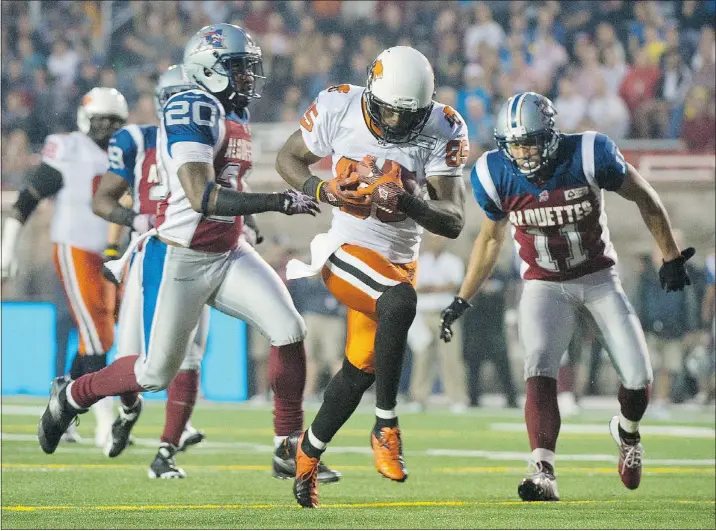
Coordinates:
(673, 275)
(295, 202)
(451, 314)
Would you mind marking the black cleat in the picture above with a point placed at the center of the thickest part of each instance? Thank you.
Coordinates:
(122, 427)
(190, 437)
(541, 485)
(164, 466)
(57, 417)
(284, 462)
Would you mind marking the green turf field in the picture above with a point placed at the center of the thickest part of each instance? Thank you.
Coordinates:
(464, 472)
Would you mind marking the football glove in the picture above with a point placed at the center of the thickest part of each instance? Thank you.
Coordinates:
(343, 192)
(673, 274)
(295, 202)
(451, 314)
(384, 187)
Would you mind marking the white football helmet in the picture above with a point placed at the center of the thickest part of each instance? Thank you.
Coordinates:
(399, 94)
(224, 60)
(102, 112)
(171, 82)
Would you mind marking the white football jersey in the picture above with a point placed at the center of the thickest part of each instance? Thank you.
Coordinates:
(337, 124)
(82, 164)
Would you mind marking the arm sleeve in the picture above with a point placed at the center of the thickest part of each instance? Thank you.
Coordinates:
(609, 165)
(452, 148)
(122, 152)
(192, 117)
(47, 181)
(319, 121)
(482, 181)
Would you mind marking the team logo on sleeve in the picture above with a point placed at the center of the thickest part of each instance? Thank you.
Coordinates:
(543, 196)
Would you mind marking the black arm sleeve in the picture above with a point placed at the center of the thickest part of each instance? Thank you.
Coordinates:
(232, 203)
(122, 216)
(46, 181)
(430, 215)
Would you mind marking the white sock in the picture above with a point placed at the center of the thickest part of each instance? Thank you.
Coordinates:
(278, 440)
(315, 441)
(542, 454)
(385, 413)
(70, 400)
(629, 426)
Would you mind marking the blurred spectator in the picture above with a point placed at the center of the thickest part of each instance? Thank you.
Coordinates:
(326, 324)
(613, 70)
(571, 107)
(654, 44)
(485, 29)
(480, 125)
(661, 116)
(448, 65)
(607, 112)
(17, 159)
(474, 86)
(144, 112)
(484, 338)
(639, 85)
(63, 62)
(547, 56)
(606, 39)
(698, 128)
(588, 71)
(691, 17)
(29, 57)
(17, 112)
(668, 319)
(441, 273)
(291, 106)
(704, 60)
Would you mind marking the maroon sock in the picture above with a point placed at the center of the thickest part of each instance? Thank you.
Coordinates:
(565, 379)
(542, 412)
(287, 376)
(181, 397)
(128, 399)
(115, 379)
(633, 402)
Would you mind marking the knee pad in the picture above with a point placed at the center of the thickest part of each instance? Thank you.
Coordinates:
(153, 382)
(398, 302)
(291, 331)
(355, 377)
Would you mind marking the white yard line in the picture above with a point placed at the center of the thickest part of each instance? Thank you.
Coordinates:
(213, 447)
(675, 431)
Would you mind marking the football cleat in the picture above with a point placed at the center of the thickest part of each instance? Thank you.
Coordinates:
(164, 466)
(388, 450)
(57, 417)
(630, 452)
(122, 427)
(305, 484)
(541, 485)
(284, 462)
(189, 437)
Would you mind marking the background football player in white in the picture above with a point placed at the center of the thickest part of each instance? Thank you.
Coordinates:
(194, 256)
(133, 166)
(71, 167)
(390, 144)
(550, 188)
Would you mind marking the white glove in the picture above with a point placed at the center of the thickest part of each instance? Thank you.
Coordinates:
(10, 231)
(143, 222)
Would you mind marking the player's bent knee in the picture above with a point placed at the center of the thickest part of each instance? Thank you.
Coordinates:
(291, 331)
(154, 382)
(355, 377)
(398, 302)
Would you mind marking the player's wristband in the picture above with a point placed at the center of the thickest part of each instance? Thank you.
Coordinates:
(312, 187)
(111, 251)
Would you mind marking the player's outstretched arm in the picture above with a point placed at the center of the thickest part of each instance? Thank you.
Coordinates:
(115, 232)
(46, 181)
(208, 198)
(636, 189)
(485, 252)
(444, 212)
(106, 203)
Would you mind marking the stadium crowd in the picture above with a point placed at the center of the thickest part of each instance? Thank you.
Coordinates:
(630, 69)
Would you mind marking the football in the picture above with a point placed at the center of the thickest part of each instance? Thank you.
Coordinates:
(374, 171)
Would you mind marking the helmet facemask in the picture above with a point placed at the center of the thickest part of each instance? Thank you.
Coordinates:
(245, 75)
(103, 126)
(396, 125)
(537, 149)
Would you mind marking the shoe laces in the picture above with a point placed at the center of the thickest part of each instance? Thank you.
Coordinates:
(631, 456)
(389, 438)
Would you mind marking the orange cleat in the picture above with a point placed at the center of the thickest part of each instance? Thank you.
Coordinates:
(305, 486)
(388, 450)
